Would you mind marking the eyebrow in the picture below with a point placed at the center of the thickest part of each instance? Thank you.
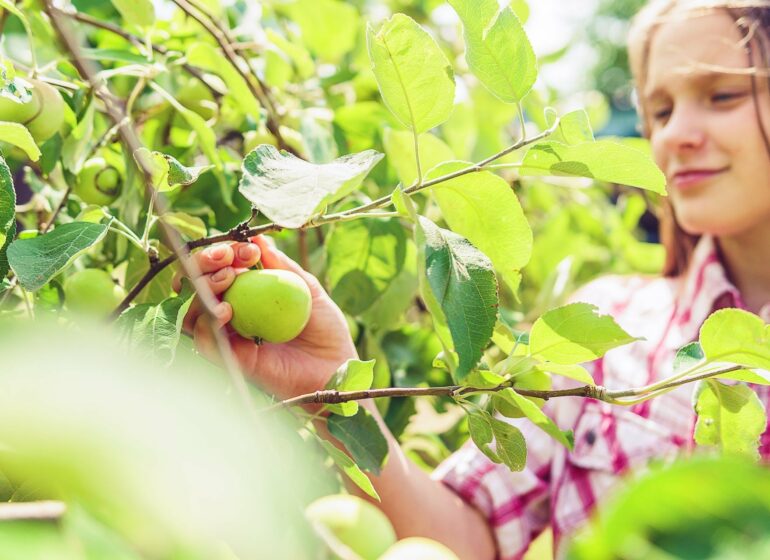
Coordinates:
(698, 78)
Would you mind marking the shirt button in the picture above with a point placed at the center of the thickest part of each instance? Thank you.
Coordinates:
(590, 437)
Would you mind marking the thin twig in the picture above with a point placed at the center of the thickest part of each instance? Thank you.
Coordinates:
(139, 43)
(48, 510)
(132, 143)
(235, 61)
(586, 391)
(359, 211)
(56, 212)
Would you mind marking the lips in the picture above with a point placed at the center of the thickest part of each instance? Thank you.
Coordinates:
(693, 177)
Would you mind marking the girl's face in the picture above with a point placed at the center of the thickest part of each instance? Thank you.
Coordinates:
(703, 125)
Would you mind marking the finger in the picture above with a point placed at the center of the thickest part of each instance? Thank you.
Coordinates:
(196, 310)
(203, 334)
(209, 260)
(246, 255)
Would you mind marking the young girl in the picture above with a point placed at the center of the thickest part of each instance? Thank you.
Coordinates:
(702, 81)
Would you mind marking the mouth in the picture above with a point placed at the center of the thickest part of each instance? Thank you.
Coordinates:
(694, 177)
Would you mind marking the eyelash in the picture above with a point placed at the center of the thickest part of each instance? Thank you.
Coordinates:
(716, 98)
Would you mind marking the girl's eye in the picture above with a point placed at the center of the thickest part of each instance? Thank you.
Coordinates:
(661, 114)
(725, 97)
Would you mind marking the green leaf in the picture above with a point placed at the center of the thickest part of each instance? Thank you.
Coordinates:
(363, 258)
(482, 379)
(18, 135)
(399, 150)
(483, 208)
(114, 55)
(574, 128)
(387, 312)
(361, 435)
(353, 375)
(208, 57)
(289, 190)
(603, 160)
(191, 227)
(572, 371)
(156, 328)
(297, 53)
(463, 282)
(736, 336)
(497, 48)
(167, 172)
(207, 140)
(575, 333)
(353, 472)
(406, 208)
(7, 214)
(35, 261)
(329, 27)
(537, 416)
(509, 444)
(480, 430)
(414, 76)
(687, 356)
(136, 12)
(731, 417)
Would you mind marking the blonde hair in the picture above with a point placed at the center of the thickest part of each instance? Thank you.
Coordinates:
(753, 19)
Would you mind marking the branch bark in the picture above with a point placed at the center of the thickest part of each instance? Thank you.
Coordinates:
(597, 392)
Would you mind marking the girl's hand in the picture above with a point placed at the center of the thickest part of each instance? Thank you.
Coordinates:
(297, 367)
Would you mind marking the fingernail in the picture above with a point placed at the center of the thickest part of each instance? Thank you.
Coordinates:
(246, 252)
(218, 252)
(220, 274)
(221, 310)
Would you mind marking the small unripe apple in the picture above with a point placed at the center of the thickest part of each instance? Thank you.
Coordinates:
(14, 111)
(50, 115)
(269, 304)
(93, 292)
(98, 183)
(357, 524)
(43, 114)
(534, 380)
(418, 548)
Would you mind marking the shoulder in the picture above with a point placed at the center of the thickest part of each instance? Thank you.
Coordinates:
(632, 299)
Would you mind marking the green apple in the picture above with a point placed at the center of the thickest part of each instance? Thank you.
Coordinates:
(270, 305)
(43, 114)
(50, 115)
(418, 548)
(357, 524)
(92, 292)
(98, 183)
(15, 111)
(534, 380)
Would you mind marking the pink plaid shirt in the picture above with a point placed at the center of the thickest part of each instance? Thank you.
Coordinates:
(561, 488)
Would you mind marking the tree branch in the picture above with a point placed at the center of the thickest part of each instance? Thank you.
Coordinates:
(137, 42)
(132, 143)
(222, 39)
(240, 234)
(32, 511)
(597, 392)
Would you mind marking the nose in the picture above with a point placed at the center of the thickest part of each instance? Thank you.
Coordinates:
(684, 130)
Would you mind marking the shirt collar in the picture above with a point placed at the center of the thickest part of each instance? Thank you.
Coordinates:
(704, 287)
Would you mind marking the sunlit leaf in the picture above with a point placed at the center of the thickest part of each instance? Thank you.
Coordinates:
(575, 333)
(289, 190)
(731, 417)
(603, 160)
(35, 261)
(463, 282)
(414, 76)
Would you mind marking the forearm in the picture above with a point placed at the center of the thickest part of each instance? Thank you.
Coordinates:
(420, 506)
